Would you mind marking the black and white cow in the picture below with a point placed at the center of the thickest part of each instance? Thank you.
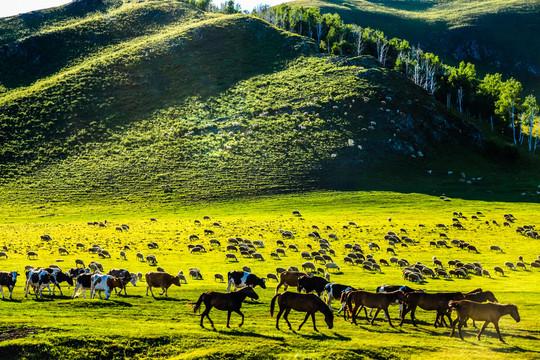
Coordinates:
(37, 279)
(57, 277)
(334, 291)
(77, 271)
(8, 279)
(312, 283)
(125, 276)
(241, 279)
(84, 282)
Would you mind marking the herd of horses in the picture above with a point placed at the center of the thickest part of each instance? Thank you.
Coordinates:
(471, 305)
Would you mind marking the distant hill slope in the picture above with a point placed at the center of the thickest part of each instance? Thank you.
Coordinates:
(497, 35)
(214, 106)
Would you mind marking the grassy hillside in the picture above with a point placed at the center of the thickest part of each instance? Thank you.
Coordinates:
(496, 35)
(194, 106)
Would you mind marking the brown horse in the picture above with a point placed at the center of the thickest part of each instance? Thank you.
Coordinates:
(308, 303)
(437, 302)
(482, 312)
(224, 301)
(479, 296)
(380, 301)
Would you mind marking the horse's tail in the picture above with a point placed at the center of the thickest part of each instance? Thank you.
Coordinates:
(199, 302)
(348, 305)
(273, 304)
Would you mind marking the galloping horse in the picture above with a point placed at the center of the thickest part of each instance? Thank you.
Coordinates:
(308, 303)
(481, 312)
(224, 301)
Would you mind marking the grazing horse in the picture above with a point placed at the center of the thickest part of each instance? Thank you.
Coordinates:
(308, 303)
(380, 301)
(438, 302)
(481, 312)
(224, 301)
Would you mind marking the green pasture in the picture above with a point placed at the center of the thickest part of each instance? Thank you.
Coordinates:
(138, 326)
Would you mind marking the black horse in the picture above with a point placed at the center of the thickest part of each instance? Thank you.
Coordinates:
(224, 301)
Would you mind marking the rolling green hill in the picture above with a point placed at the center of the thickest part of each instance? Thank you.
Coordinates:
(159, 100)
(496, 35)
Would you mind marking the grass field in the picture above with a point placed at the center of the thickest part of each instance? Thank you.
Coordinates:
(137, 326)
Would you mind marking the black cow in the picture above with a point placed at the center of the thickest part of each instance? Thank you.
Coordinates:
(57, 277)
(312, 283)
(240, 279)
(84, 282)
(8, 279)
(334, 291)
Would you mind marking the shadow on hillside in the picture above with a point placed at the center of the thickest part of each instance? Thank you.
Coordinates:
(169, 299)
(322, 336)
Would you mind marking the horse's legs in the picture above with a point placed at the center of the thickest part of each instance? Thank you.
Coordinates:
(303, 322)
(404, 312)
(228, 318)
(454, 327)
(353, 313)
(206, 313)
(496, 324)
(460, 324)
(313, 318)
(242, 315)
(482, 329)
(388, 316)
(281, 310)
(286, 317)
(277, 287)
(376, 313)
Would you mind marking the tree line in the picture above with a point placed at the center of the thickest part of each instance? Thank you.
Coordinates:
(495, 100)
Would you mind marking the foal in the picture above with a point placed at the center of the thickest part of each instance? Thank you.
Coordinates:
(481, 312)
(308, 303)
(224, 301)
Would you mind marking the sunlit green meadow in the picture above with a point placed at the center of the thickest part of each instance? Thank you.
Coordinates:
(138, 326)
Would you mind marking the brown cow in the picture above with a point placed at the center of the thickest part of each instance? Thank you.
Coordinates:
(160, 279)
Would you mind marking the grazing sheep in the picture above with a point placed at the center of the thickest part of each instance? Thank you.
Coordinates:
(472, 248)
(391, 250)
(308, 265)
(272, 276)
(521, 264)
(139, 275)
(3, 255)
(79, 262)
(279, 270)
(260, 244)
(153, 220)
(535, 264)
(140, 256)
(246, 269)
(275, 255)
(510, 265)
(231, 257)
(495, 248)
(373, 245)
(31, 255)
(195, 273)
(498, 270)
(332, 265)
(281, 252)
(348, 259)
(293, 268)
(151, 259)
(160, 269)
(218, 277)
(293, 247)
(486, 273)
(258, 256)
(123, 255)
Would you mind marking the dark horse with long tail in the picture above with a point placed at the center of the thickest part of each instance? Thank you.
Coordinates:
(308, 303)
(224, 301)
